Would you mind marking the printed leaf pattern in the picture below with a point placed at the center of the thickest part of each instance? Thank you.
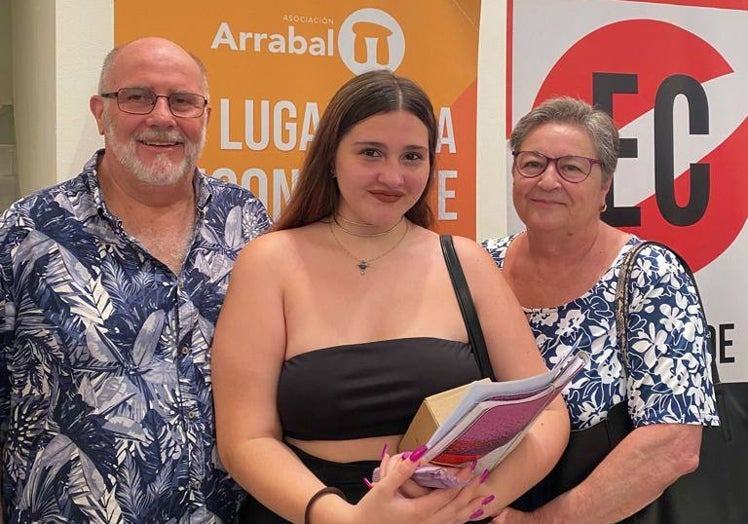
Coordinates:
(102, 416)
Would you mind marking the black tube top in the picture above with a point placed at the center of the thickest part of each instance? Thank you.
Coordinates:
(367, 390)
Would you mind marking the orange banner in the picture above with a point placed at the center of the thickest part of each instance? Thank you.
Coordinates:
(273, 67)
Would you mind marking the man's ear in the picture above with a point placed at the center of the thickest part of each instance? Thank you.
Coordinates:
(207, 115)
(96, 104)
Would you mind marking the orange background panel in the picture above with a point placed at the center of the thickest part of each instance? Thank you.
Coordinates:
(439, 47)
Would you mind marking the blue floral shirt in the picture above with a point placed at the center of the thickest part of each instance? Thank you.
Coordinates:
(106, 410)
(669, 375)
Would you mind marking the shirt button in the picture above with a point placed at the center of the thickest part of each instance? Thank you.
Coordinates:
(192, 414)
(195, 484)
(185, 351)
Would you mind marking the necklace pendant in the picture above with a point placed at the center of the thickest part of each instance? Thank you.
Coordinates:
(363, 266)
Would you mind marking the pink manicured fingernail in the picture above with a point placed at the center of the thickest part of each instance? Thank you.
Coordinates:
(384, 450)
(417, 454)
(368, 483)
(487, 500)
(405, 455)
(483, 476)
(476, 514)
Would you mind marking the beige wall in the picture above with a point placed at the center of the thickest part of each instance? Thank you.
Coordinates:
(8, 179)
(57, 50)
(6, 86)
(34, 104)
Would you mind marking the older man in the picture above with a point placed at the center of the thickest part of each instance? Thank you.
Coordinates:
(110, 285)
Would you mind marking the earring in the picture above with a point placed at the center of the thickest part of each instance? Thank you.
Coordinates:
(332, 174)
(603, 207)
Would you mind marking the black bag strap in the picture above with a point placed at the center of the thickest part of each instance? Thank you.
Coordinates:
(622, 304)
(623, 300)
(467, 308)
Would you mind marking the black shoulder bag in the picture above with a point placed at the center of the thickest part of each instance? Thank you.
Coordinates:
(715, 492)
(467, 308)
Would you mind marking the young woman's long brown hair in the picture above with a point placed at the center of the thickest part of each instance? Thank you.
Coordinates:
(316, 193)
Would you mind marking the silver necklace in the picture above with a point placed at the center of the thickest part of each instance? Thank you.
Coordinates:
(362, 263)
(364, 235)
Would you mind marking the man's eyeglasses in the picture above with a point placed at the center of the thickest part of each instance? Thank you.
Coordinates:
(137, 101)
(572, 168)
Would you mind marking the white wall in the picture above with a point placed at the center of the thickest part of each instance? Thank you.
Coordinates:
(85, 34)
(491, 201)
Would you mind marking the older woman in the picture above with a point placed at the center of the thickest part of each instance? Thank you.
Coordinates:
(564, 269)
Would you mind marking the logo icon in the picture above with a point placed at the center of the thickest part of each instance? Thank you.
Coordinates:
(371, 39)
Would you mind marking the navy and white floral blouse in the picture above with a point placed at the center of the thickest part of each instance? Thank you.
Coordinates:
(669, 379)
(106, 410)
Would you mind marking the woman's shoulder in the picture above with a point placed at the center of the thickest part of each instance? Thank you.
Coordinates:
(467, 247)
(477, 263)
(274, 247)
(657, 273)
(657, 258)
(498, 243)
(497, 247)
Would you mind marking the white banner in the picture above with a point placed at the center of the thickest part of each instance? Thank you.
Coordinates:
(675, 79)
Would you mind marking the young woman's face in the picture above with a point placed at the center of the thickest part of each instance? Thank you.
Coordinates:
(382, 167)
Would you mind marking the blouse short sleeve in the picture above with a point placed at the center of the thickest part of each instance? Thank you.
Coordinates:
(669, 345)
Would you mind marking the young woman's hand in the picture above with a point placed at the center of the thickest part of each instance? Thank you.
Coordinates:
(395, 498)
(426, 477)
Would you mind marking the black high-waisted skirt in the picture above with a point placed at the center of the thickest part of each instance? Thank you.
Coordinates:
(347, 477)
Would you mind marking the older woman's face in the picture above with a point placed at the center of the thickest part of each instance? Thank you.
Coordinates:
(548, 202)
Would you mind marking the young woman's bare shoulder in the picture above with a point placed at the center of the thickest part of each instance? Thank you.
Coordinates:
(270, 249)
(469, 251)
(477, 264)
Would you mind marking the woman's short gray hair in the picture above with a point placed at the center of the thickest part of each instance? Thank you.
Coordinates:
(568, 110)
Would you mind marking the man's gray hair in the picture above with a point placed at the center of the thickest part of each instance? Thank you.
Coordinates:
(106, 71)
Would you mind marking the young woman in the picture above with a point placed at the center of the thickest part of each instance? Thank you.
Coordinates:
(339, 323)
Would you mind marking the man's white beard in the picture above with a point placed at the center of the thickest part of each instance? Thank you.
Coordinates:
(162, 171)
